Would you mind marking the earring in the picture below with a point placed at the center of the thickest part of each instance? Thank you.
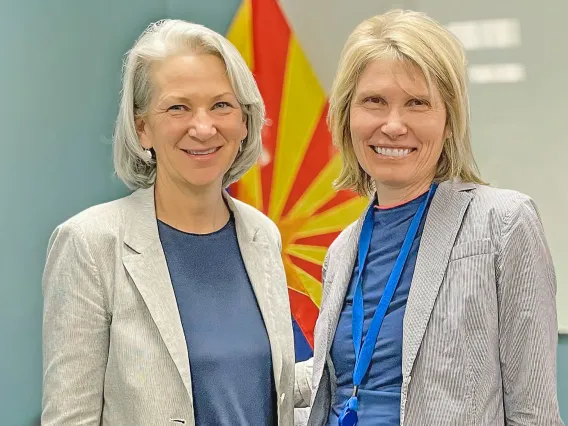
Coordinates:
(241, 146)
(148, 154)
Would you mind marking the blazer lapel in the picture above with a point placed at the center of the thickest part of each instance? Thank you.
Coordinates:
(342, 278)
(145, 262)
(443, 222)
(258, 259)
(335, 287)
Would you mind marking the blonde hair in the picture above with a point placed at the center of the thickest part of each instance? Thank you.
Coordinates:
(416, 39)
(157, 42)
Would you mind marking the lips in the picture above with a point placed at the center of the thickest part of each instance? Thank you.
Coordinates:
(393, 152)
(199, 152)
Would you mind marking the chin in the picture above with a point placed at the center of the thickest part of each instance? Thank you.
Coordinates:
(203, 181)
(392, 180)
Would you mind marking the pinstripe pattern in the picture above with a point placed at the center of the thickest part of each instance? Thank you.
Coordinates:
(114, 349)
(480, 331)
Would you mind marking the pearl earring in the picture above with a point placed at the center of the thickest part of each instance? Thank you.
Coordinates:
(148, 154)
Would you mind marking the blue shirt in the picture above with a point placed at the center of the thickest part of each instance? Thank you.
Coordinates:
(379, 394)
(227, 342)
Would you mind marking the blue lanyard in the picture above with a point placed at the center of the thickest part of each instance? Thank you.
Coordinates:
(364, 349)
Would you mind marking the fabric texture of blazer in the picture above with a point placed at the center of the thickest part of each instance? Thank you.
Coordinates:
(114, 347)
(480, 329)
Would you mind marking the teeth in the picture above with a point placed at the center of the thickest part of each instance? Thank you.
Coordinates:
(211, 151)
(389, 152)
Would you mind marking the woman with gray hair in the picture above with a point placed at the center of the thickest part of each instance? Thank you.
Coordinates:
(439, 302)
(170, 306)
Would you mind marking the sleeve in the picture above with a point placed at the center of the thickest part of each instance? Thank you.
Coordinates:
(528, 331)
(303, 383)
(75, 332)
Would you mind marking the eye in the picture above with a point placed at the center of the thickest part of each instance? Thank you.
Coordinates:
(374, 100)
(177, 108)
(222, 105)
(418, 102)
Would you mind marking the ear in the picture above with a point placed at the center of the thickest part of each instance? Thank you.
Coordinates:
(244, 130)
(447, 133)
(142, 132)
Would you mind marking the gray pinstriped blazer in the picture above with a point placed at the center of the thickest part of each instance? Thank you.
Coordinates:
(114, 351)
(480, 330)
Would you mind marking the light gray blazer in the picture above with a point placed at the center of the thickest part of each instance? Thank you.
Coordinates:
(114, 351)
(480, 330)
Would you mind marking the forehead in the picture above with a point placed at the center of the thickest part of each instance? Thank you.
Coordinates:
(190, 71)
(387, 74)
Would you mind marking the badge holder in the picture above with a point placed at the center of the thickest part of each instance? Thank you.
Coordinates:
(348, 416)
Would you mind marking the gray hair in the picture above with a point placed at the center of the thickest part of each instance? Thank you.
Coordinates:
(159, 41)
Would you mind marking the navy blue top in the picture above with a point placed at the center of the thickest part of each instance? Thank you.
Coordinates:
(379, 394)
(227, 342)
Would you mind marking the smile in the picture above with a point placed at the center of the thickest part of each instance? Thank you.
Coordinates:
(393, 152)
(201, 152)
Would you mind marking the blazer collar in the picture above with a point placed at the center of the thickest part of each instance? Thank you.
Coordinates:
(444, 188)
(141, 231)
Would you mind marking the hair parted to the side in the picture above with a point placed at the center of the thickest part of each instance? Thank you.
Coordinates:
(412, 38)
(159, 41)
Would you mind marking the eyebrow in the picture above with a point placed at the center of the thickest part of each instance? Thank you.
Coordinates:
(224, 94)
(371, 93)
(175, 98)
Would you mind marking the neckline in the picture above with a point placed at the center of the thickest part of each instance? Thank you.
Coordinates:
(394, 206)
(209, 234)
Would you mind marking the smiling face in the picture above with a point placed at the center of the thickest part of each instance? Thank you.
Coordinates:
(194, 122)
(397, 127)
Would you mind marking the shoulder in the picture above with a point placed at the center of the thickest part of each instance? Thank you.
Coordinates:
(345, 242)
(95, 222)
(255, 217)
(346, 238)
(486, 203)
(503, 206)
(502, 200)
(498, 215)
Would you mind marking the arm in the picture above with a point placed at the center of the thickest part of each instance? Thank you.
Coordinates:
(528, 332)
(302, 370)
(303, 382)
(75, 332)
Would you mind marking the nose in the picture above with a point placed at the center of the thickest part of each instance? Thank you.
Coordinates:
(201, 126)
(394, 127)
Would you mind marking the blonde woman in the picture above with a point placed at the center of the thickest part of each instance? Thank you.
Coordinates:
(170, 306)
(439, 302)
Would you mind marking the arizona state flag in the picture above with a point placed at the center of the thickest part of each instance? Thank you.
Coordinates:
(292, 182)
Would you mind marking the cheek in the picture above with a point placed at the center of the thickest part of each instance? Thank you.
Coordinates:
(362, 126)
(232, 129)
(175, 128)
(438, 143)
(431, 134)
(168, 131)
(431, 155)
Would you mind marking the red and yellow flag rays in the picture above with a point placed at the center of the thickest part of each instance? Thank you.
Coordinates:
(292, 182)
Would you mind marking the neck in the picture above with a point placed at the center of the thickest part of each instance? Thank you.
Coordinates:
(390, 195)
(192, 210)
